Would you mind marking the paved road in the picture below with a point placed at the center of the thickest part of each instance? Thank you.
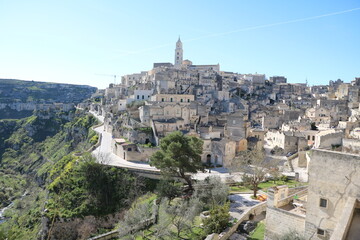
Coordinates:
(104, 155)
(240, 203)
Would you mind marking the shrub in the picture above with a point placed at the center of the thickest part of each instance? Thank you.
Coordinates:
(218, 220)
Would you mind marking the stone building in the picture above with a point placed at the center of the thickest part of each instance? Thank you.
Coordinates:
(191, 113)
(218, 152)
(329, 210)
(131, 151)
(289, 141)
(282, 217)
(278, 79)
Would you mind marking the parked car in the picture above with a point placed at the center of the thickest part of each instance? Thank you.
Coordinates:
(290, 154)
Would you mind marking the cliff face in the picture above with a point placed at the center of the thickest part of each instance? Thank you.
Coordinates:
(19, 98)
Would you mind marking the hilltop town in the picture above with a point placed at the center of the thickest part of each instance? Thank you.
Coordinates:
(235, 112)
(231, 112)
(257, 156)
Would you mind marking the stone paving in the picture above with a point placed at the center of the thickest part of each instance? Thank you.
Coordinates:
(241, 202)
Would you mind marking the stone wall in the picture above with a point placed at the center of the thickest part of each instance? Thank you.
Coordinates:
(351, 145)
(254, 211)
(279, 222)
(328, 140)
(333, 176)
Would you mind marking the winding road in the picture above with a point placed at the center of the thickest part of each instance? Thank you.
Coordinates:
(104, 155)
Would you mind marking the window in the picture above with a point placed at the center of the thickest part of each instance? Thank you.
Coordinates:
(162, 99)
(313, 138)
(320, 232)
(137, 96)
(181, 100)
(308, 137)
(129, 149)
(143, 97)
(188, 100)
(171, 99)
(323, 202)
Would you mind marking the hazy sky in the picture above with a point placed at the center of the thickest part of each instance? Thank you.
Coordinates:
(72, 41)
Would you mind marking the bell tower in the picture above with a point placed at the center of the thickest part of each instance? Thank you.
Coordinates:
(178, 54)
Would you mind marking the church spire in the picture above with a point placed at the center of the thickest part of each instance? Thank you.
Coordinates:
(178, 54)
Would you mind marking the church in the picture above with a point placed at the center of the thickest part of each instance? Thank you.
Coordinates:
(179, 63)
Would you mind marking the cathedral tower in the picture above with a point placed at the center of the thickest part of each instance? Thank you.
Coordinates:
(178, 54)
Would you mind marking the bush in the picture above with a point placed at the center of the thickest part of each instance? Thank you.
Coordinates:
(168, 189)
(94, 139)
(218, 220)
(89, 188)
(284, 178)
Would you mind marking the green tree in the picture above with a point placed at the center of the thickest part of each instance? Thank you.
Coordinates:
(168, 189)
(218, 220)
(182, 215)
(179, 155)
(255, 167)
(134, 219)
(212, 191)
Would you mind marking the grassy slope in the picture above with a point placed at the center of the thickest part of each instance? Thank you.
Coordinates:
(31, 149)
(258, 233)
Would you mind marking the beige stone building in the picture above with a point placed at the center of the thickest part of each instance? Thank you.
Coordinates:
(289, 141)
(130, 151)
(218, 152)
(328, 209)
(178, 98)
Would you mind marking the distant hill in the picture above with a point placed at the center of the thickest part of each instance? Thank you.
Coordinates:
(19, 91)
(18, 98)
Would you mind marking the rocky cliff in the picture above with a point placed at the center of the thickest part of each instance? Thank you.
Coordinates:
(19, 98)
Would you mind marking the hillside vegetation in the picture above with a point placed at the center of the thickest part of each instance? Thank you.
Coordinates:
(15, 91)
(46, 181)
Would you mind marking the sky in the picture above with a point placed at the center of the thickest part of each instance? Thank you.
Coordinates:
(88, 41)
